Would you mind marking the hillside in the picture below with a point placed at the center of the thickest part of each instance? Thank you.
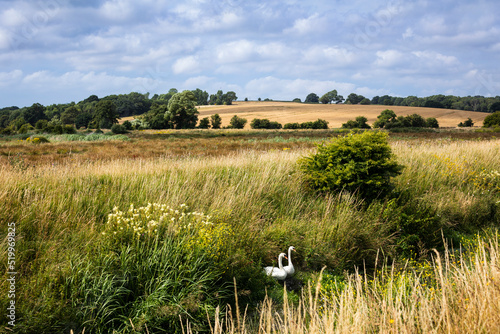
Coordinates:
(335, 114)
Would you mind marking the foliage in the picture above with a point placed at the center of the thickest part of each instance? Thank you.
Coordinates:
(361, 163)
(83, 120)
(258, 123)
(354, 98)
(182, 112)
(155, 117)
(492, 120)
(204, 123)
(215, 121)
(331, 97)
(223, 99)
(467, 123)
(311, 98)
(359, 123)
(118, 129)
(237, 122)
(105, 114)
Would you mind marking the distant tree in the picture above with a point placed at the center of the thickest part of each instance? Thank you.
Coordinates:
(127, 125)
(82, 120)
(105, 114)
(492, 120)
(312, 98)
(118, 129)
(365, 101)
(69, 115)
(246, 99)
(155, 117)
(432, 122)
(258, 123)
(201, 97)
(331, 97)
(359, 123)
(297, 100)
(259, 99)
(416, 121)
(215, 121)
(166, 97)
(385, 117)
(237, 122)
(204, 123)
(354, 98)
(182, 112)
(494, 107)
(34, 113)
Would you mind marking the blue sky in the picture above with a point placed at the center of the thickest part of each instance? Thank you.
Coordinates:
(58, 51)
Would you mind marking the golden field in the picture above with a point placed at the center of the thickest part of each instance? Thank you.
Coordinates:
(335, 114)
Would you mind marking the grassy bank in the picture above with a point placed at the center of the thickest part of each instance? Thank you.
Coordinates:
(68, 270)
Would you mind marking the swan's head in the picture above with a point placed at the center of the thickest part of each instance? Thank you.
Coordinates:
(283, 255)
(292, 248)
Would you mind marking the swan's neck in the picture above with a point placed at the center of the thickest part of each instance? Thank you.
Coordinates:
(289, 256)
(280, 262)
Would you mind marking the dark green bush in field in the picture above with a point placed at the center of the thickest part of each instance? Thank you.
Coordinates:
(361, 163)
(492, 120)
(118, 129)
(258, 123)
(237, 122)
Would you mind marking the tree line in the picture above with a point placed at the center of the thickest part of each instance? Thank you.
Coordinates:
(468, 103)
(177, 110)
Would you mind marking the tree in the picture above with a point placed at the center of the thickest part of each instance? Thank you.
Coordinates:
(83, 120)
(204, 123)
(69, 115)
(312, 98)
(216, 121)
(297, 100)
(237, 122)
(492, 120)
(354, 98)
(34, 113)
(331, 97)
(105, 114)
(155, 117)
(386, 116)
(432, 122)
(182, 112)
(359, 123)
(201, 97)
(495, 107)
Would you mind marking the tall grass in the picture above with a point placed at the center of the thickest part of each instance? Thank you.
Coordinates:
(458, 293)
(61, 210)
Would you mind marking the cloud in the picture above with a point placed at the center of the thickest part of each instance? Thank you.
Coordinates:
(187, 64)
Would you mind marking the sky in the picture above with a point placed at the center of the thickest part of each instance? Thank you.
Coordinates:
(59, 51)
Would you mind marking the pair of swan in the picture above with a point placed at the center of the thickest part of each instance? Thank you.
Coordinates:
(282, 272)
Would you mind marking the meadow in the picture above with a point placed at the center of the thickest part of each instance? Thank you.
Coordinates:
(168, 231)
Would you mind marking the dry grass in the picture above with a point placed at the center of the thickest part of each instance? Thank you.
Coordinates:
(454, 294)
(335, 114)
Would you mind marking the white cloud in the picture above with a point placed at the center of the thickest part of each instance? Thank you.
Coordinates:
(389, 58)
(304, 26)
(187, 64)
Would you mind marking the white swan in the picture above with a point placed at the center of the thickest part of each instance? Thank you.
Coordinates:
(277, 273)
(290, 270)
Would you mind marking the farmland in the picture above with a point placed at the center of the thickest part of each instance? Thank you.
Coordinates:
(75, 273)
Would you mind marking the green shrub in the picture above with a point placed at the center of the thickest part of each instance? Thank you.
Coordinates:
(359, 123)
(118, 129)
(492, 120)
(360, 163)
(294, 126)
(204, 123)
(237, 122)
(258, 123)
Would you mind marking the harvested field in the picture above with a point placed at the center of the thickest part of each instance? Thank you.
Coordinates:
(335, 114)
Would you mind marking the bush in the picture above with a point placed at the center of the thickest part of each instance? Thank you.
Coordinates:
(258, 123)
(237, 122)
(216, 121)
(204, 123)
(359, 123)
(118, 129)
(128, 125)
(361, 163)
(492, 120)
(288, 126)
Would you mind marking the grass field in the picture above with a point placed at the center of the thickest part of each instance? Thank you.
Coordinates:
(382, 274)
(335, 114)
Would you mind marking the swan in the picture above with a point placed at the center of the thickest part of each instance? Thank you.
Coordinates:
(290, 270)
(277, 273)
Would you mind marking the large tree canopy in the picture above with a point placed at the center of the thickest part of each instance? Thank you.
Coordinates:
(181, 111)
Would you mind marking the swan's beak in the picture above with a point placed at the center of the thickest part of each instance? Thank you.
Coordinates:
(285, 257)
(294, 249)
